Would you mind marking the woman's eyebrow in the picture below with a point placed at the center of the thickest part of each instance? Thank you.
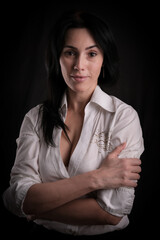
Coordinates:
(70, 46)
(93, 46)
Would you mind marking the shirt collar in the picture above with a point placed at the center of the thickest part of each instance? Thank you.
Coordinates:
(99, 97)
(103, 100)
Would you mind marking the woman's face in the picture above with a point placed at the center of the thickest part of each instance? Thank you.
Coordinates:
(81, 60)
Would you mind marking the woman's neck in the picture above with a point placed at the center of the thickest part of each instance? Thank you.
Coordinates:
(77, 101)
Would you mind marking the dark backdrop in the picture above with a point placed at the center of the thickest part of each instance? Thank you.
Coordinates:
(24, 33)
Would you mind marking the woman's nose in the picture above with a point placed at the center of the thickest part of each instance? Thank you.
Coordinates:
(80, 63)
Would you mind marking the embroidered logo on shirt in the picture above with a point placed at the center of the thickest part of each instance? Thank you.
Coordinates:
(102, 140)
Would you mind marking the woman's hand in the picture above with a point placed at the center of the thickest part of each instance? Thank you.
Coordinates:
(117, 172)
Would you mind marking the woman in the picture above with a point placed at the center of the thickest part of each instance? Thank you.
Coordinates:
(77, 160)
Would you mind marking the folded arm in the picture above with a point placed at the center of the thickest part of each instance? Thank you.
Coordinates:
(43, 198)
(80, 212)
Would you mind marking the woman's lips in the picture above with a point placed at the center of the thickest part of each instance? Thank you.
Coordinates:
(78, 78)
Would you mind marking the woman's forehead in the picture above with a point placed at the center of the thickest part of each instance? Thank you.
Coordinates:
(79, 36)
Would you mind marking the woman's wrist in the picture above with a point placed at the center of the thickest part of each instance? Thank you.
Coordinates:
(95, 180)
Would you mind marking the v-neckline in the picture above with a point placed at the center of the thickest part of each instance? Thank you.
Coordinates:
(75, 135)
(78, 153)
(73, 152)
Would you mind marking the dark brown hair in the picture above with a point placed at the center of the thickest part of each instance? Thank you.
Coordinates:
(102, 35)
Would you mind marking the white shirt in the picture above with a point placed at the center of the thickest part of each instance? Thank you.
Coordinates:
(108, 122)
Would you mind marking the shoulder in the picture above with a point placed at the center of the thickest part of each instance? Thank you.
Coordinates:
(124, 115)
(34, 112)
(32, 118)
(123, 109)
(112, 104)
(125, 120)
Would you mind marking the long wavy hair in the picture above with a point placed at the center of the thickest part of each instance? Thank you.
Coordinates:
(102, 35)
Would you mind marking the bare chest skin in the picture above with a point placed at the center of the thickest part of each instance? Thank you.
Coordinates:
(74, 121)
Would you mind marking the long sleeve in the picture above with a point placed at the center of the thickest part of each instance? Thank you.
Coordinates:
(126, 128)
(25, 171)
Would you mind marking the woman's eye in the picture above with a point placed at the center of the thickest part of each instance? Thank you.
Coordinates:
(70, 53)
(92, 54)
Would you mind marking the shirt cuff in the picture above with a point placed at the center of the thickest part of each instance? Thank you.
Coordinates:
(117, 202)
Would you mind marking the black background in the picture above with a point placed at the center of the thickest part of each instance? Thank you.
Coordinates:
(24, 31)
